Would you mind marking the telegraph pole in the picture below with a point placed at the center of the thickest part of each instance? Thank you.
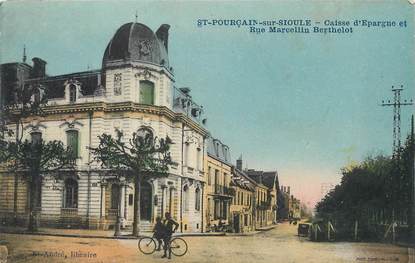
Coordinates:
(396, 152)
(396, 118)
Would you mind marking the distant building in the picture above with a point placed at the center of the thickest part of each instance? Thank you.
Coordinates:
(265, 207)
(284, 203)
(295, 210)
(289, 206)
(243, 202)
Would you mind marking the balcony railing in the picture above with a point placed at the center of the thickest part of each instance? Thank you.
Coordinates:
(112, 212)
(224, 190)
(264, 205)
(69, 211)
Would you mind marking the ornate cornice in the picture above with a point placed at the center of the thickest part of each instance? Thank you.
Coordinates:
(123, 107)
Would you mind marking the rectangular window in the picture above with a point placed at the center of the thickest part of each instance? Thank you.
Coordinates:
(242, 198)
(224, 179)
(217, 181)
(224, 210)
(72, 143)
(216, 211)
(198, 166)
(186, 154)
(130, 199)
(209, 175)
(146, 92)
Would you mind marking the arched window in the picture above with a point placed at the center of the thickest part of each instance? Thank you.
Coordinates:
(36, 137)
(145, 132)
(72, 143)
(197, 199)
(146, 92)
(115, 196)
(70, 194)
(186, 198)
(72, 93)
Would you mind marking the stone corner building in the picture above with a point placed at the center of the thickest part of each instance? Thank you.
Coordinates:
(134, 89)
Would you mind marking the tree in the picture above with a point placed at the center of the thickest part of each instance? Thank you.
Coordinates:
(25, 99)
(140, 158)
(365, 192)
(30, 159)
(33, 160)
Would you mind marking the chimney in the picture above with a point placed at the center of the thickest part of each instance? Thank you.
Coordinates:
(163, 34)
(239, 163)
(288, 189)
(282, 188)
(39, 68)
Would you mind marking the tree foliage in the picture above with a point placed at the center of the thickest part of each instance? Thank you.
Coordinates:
(141, 157)
(145, 155)
(29, 159)
(375, 191)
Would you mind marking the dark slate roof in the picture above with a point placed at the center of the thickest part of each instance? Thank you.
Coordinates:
(217, 150)
(269, 179)
(242, 180)
(55, 88)
(137, 42)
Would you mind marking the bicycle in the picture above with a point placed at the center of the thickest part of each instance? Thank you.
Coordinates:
(148, 245)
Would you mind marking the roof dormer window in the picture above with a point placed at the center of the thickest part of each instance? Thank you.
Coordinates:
(72, 93)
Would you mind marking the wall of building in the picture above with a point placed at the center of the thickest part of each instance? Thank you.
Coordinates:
(241, 210)
(216, 196)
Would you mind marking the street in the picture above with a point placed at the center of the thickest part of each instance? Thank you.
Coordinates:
(278, 245)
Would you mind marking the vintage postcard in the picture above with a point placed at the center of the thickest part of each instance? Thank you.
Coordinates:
(207, 131)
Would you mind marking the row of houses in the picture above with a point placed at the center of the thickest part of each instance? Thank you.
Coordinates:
(133, 91)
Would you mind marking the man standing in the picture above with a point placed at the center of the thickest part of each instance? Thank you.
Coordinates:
(170, 226)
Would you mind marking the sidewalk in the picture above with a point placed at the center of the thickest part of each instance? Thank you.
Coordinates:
(109, 234)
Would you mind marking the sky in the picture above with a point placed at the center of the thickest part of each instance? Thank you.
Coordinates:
(305, 105)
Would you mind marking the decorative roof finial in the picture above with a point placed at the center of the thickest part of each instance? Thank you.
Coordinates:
(136, 16)
(24, 54)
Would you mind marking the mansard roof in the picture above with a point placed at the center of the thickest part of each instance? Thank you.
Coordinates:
(219, 151)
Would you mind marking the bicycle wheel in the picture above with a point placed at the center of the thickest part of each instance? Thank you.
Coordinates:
(178, 246)
(147, 245)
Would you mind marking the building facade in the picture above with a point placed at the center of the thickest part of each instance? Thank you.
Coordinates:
(243, 202)
(133, 91)
(218, 193)
(265, 205)
(270, 180)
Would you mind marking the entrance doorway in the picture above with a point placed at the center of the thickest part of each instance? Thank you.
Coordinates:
(146, 203)
(236, 223)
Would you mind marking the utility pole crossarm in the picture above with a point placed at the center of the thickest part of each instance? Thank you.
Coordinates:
(393, 104)
(396, 103)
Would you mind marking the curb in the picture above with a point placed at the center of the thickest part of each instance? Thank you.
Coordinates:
(133, 237)
(65, 235)
(104, 237)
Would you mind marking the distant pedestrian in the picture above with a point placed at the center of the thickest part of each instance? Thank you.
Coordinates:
(170, 226)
